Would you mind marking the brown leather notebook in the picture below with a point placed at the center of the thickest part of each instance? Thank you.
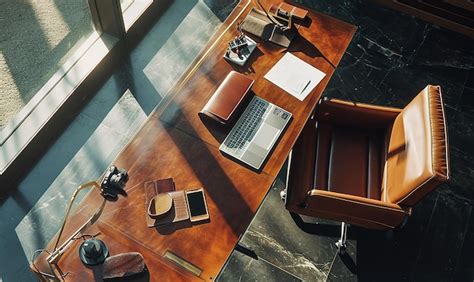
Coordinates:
(179, 210)
(228, 96)
(296, 12)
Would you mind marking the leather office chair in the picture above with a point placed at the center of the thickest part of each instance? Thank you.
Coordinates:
(368, 165)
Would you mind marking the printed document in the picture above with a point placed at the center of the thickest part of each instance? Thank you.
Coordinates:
(295, 76)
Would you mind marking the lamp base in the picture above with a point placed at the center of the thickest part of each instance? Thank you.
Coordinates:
(93, 252)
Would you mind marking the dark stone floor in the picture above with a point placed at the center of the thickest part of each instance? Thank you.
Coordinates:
(391, 58)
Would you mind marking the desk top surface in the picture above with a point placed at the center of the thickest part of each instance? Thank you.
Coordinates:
(175, 143)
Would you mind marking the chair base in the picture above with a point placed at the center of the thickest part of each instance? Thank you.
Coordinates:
(283, 195)
(341, 243)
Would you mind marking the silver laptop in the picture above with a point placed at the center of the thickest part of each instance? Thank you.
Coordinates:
(255, 133)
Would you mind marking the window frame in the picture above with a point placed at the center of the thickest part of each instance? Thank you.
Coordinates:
(28, 134)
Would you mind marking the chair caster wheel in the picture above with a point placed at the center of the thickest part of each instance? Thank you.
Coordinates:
(341, 247)
(283, 195)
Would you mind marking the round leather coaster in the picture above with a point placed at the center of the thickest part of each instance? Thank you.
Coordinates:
(160, 205)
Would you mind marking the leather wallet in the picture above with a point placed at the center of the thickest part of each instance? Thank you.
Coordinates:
(228, 96)
(295, 12)
(259, 24)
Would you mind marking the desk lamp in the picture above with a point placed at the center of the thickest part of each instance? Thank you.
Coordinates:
(92, 251)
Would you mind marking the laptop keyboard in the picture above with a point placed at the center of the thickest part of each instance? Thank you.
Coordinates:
(246, 130)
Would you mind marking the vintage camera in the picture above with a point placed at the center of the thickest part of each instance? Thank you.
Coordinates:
(114, 182)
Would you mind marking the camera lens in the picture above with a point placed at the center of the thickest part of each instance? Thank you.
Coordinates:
(116, 181)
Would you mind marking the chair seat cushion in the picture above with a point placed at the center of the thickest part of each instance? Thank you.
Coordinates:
(349, 160)
(418, 153)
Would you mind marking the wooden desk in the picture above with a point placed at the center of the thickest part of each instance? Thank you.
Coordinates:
(175, 143)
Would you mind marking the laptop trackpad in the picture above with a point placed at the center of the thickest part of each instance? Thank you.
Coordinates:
(265, 136)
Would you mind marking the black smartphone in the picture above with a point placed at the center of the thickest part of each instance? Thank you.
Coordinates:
(197, 206)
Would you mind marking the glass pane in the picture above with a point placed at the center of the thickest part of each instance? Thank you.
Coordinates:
(125, 4)
(36, 38)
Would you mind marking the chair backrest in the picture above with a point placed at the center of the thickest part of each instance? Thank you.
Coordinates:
(417, 157)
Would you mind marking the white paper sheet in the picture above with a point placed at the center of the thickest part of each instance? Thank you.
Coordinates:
(295, 76)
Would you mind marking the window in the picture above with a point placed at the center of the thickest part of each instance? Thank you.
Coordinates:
(125, 4)
(132, 10)
(50, 52)
(36, 38)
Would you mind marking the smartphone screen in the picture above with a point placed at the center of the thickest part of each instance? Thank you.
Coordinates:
(197, 206)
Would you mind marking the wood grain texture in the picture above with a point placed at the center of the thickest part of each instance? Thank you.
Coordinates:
(158, 268)
(175, 143)
(322, 44)
(233, 194)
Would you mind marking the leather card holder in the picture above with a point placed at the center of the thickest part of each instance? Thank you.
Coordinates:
(223, 104)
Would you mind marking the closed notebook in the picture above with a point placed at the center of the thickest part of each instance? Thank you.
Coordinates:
(223, 104)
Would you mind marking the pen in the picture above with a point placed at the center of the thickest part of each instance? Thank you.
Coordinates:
(309, 81)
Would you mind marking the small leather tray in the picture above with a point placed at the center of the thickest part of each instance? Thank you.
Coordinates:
(227, 97)
(160, 205)
(295, 12)
(178, 211)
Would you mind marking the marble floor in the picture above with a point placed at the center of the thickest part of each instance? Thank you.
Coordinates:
(391, 58)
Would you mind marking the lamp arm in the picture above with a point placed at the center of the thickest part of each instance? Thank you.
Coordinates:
(56, 254)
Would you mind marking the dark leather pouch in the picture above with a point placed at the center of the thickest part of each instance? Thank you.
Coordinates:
(225, 101)
(261, 25)
(123, 267)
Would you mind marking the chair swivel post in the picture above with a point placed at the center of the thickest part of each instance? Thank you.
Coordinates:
(283, 192)
(341, 243)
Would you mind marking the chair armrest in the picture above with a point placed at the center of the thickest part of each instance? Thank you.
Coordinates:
(355, 210)
(356, 114)
(302, 158)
